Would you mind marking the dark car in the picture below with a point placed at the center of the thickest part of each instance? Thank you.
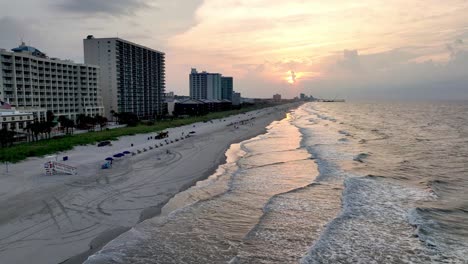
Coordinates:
(104, 143)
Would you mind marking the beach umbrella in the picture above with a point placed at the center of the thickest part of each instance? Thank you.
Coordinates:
(126, 152)
(109, 158)
(118, 155)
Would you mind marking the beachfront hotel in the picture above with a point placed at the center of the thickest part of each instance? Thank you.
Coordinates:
(132, 77)
(32, 82)
(11, 119)
(226, 88)
(277, 98)
(205, 85)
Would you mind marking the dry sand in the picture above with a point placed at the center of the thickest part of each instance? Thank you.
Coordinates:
(64, 218)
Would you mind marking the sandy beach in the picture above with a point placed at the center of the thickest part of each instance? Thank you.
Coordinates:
(64, 218)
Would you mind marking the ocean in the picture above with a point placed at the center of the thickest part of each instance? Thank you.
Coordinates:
(330, 183)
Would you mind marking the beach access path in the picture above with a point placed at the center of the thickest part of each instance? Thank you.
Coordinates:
(52, 219)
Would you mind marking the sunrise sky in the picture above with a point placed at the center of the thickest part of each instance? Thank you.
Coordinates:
(351, 49)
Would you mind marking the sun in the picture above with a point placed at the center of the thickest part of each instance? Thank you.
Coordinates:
(291, 78)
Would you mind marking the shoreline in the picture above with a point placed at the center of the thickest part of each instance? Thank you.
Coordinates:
(104, 238)
(212, 143)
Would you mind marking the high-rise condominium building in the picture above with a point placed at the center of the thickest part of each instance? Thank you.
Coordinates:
(30, 81)
(227, 88)
(132, 77)
(204, 85)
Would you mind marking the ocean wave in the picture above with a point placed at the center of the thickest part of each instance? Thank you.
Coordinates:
(373, 227)
(442, 229)
(290, 223)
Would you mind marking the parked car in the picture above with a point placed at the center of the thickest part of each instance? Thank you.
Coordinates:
(104, 143)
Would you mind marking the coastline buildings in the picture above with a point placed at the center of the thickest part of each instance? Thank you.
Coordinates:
(277, 97)
(204, 85)
(32, 82)
(210, 86)
(15, 120)
(226, 88)
(169, 95)
(132, 77)
(11, 119)
(236, 99)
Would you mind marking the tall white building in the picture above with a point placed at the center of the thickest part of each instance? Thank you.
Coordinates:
(32, 82)
(132, 77)
(204, 85)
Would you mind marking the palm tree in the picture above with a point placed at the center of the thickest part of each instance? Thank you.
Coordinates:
(101, 120)
(81, 121)
(66, 123)
(69, 124)
(114, 115)
(6, 137)
(50, 116)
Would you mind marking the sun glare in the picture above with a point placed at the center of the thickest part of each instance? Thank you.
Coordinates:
(292, 77)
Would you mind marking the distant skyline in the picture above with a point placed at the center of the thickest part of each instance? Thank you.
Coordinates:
(351, 49)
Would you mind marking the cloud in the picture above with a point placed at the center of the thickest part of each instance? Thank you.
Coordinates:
(367, 45)
(108, 7)
(455, 47)
(395, 74)
(13, 30)
(350, 60)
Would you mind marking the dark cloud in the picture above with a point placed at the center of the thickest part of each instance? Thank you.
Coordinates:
(395, 75)
(353, 62)
(108, 7)
(455, 47)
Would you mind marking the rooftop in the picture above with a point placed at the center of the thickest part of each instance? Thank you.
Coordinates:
(194, 71)
(12, 112)
(24, 48)
(91, 37)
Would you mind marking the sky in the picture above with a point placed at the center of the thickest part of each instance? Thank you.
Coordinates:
(368, 49)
